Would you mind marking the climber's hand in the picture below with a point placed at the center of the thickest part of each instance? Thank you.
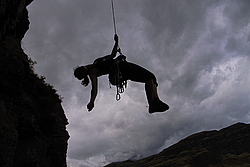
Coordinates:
(116, 38)
(90, 106)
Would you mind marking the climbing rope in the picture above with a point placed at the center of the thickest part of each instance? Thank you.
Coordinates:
(113, 13)
(114, 23)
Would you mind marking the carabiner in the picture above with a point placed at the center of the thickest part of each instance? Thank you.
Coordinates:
(118, 96)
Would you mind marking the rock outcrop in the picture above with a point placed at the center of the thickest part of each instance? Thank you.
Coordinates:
(228, 147)
(32, 120)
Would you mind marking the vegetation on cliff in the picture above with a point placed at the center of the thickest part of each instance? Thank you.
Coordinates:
(32, 120)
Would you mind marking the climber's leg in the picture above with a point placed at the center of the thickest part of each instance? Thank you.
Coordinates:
(155, 104)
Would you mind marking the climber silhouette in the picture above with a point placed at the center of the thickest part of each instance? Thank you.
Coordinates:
(126, 71)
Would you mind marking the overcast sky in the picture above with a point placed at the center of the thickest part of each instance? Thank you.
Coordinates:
(198, 49)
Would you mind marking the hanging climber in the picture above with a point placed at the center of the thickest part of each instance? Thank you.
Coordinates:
(119, 71)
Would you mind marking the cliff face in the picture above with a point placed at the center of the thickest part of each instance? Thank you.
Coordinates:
(229, 147)
(32, 120)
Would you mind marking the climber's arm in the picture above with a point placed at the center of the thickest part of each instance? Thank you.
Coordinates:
(94, 90)
(114, 50)
(113, 53)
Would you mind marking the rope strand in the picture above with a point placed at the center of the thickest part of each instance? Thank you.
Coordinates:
(114, 22)
(113, 12)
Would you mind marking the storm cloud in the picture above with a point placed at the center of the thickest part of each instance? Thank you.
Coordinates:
(198, 50)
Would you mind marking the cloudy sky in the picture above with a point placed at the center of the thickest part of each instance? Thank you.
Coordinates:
(199, 51)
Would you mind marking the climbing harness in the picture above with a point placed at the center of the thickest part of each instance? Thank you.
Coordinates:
(116, 77)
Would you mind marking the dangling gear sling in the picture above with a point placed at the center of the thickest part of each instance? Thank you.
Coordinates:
(115, 78)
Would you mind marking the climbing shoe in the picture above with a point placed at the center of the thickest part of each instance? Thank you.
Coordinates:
(157, 106)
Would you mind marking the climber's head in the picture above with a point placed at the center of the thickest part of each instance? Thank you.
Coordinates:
(81, 73)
